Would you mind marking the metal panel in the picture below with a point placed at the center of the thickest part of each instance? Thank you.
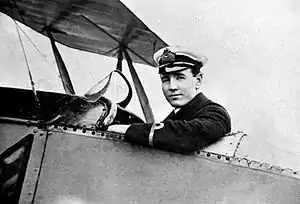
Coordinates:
(228, 145)
(12, 133)
(103, 171)
(13, 164)
(33, 168)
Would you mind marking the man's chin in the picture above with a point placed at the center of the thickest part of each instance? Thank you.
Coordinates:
(176, 104)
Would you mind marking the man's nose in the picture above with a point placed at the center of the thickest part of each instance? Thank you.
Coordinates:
(172, 84)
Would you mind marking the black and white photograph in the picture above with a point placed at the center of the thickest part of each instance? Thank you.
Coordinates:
(136, 101)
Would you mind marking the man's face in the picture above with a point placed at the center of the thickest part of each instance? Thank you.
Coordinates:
(180, 87)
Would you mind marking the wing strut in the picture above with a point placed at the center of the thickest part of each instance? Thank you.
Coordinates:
(63, 72)
(122, 48)
(120, 59)
(140, 90)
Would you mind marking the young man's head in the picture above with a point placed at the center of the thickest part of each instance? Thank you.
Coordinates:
(180, 87)
(180, 74)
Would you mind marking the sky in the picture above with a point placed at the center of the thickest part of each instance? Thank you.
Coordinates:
(253, 65)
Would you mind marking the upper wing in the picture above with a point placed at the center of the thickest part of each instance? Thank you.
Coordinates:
(98, 26)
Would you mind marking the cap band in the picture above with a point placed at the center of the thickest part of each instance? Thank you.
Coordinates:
(170, 60)
(175, 67)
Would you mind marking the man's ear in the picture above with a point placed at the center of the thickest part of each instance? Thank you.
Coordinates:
(199, 79)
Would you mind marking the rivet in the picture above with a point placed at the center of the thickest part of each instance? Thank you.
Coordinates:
(84, 131)
(93, 133)
(219, 157)
(74, 129)
(197, 152)
(208, 154)
(227, 158)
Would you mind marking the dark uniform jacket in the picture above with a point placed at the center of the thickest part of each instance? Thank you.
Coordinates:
(196, 125)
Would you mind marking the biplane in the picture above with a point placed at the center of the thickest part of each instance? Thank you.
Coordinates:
(56, 145)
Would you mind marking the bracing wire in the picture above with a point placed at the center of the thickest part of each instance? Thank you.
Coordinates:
(34, 45)
(27, 64)
(40, 52)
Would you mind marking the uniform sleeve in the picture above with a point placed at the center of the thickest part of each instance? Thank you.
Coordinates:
(182, 136)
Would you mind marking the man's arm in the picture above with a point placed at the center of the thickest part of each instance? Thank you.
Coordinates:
(208, 126)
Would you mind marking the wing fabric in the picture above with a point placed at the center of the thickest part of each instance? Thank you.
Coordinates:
(67, 22)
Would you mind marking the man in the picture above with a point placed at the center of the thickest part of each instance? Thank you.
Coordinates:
(196, 121)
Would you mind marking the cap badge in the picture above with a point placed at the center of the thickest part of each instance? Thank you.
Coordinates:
(167, 56)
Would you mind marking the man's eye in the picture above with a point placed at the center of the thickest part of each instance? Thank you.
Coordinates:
(164, 79)
(180, 77)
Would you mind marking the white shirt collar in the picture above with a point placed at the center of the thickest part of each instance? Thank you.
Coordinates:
(176, 110)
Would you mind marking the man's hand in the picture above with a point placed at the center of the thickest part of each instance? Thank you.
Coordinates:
(118, 128)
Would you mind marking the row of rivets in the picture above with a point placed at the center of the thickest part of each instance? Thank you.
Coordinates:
(89, 131)
(249, 163)
(212, 155)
